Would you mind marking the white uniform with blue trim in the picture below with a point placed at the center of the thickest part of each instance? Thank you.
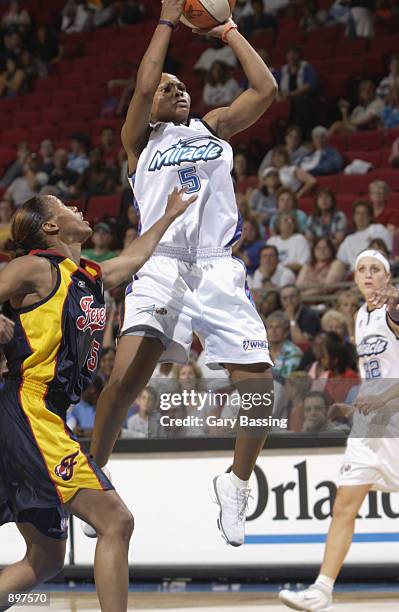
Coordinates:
(372, 451)
(192, 283)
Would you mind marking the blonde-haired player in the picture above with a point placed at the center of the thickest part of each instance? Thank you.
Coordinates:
(371, 458)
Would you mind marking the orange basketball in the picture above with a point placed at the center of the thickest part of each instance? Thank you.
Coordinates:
(206, 14)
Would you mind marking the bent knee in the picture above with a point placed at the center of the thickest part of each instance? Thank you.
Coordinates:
(120, 525)
(344, 511)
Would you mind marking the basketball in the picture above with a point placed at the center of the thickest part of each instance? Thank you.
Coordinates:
(206, 14)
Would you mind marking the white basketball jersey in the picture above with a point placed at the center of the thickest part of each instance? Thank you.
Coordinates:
(378, 353)
(191, 155)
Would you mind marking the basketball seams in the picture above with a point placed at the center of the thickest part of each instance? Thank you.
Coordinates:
(197, 15)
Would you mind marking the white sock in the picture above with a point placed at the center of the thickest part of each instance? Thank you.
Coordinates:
(237, 482)
(326, 582)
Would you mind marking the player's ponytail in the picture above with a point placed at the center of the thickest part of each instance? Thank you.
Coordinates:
(26, 226)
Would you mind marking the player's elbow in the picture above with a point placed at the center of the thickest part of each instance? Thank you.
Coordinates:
(269, 90)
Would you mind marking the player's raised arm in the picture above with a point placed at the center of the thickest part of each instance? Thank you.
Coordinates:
(135, 129)
(119, 269)
(245, 110)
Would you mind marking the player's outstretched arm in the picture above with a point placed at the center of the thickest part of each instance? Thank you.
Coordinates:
(252, 103)
(135, 129)
(122, 268)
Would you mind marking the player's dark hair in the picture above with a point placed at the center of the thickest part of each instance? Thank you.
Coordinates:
(26, 225)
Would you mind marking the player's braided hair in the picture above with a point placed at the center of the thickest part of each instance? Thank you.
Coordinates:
(26, 226)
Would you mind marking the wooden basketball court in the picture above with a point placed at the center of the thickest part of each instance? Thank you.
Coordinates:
(209, 602)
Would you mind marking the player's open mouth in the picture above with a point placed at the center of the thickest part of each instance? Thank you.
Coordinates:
(182, 103)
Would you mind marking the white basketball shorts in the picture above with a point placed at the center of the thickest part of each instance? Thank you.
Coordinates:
(371, 461)
(181, 291)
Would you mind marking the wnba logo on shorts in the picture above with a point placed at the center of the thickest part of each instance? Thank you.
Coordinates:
(254, 345)
(346, 468)
(64, 469)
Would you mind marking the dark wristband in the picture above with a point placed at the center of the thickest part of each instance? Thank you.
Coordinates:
(167, 23)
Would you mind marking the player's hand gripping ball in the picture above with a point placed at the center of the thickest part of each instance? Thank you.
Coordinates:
(206, 14)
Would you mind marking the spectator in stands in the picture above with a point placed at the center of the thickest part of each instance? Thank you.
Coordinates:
(12, 79)
(362, 16)
(336, 361)
(129, 235)
(292, 176)
(311, 19)
(132, 12)
(379, 195)
(28, 185)
(293, 248)
(311, 360)
(325, 219)
(14, 170)
(32, 67)
(46, 46)
(394, 156)
(250, 244)
(97, 179)
(62, 179)
(298, 82)
(297, 388)
(321, 272)
(220, 87)
(106, 363)
(104, 12)
(287, 201)
(245, 8)
(324, 159)
(263, 201)
(13, 45)
(138, 425)
(365, 116)
(270, 303)
(316, 416)
(243, 180)
(102, 240)
(392, 78)
(284, 353)
(304, 322)
(270, 272)
(16, 17)
(217, 52)
(390, 113)
(335, 322)
(80, 146)
(46, 156)
(258, 21)
(76, 16)
(365, 230)
(189, 378)
(348, 304)
(293, 144)
(80, 418)
(6, 213)
(109, 146)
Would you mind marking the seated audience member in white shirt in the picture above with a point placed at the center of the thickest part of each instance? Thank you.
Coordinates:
(270, 273)
(293, 248)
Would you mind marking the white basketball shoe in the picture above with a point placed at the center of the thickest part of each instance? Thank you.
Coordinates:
(233, 504)
(87, 529)
(313, 599)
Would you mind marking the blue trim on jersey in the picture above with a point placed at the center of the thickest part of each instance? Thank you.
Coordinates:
(237, 232)
(135, 204)
(246, 288)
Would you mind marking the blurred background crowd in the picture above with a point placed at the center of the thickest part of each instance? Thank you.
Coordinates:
(316, 179)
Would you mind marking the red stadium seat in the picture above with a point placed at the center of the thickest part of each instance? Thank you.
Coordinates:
(339, 141)
(389, 136)
(99, 124)
(306, 204)
(373, 157)
(34, 101)
(322, 67)
(329, 182)
(385, 155)
(348, 65)
(350, 47)
(12, 137)
(10, 105)
(373, 65)
(335, 86)
(91, 95)
(279, 110)
(355, 184)
(67, 129)
(318, 51)
(66, 97)
(368, 141)
(50, 84)
(384, 44)
(64, 67)
(25, 118)
(73, 81)
(391, 177)
(290, 37)
(95, 48)
(53, 116)
(324, 35)
(7, 155)
(345, 203)
(42, 132)
(84, 64)
(98, 206)
(82, 112)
